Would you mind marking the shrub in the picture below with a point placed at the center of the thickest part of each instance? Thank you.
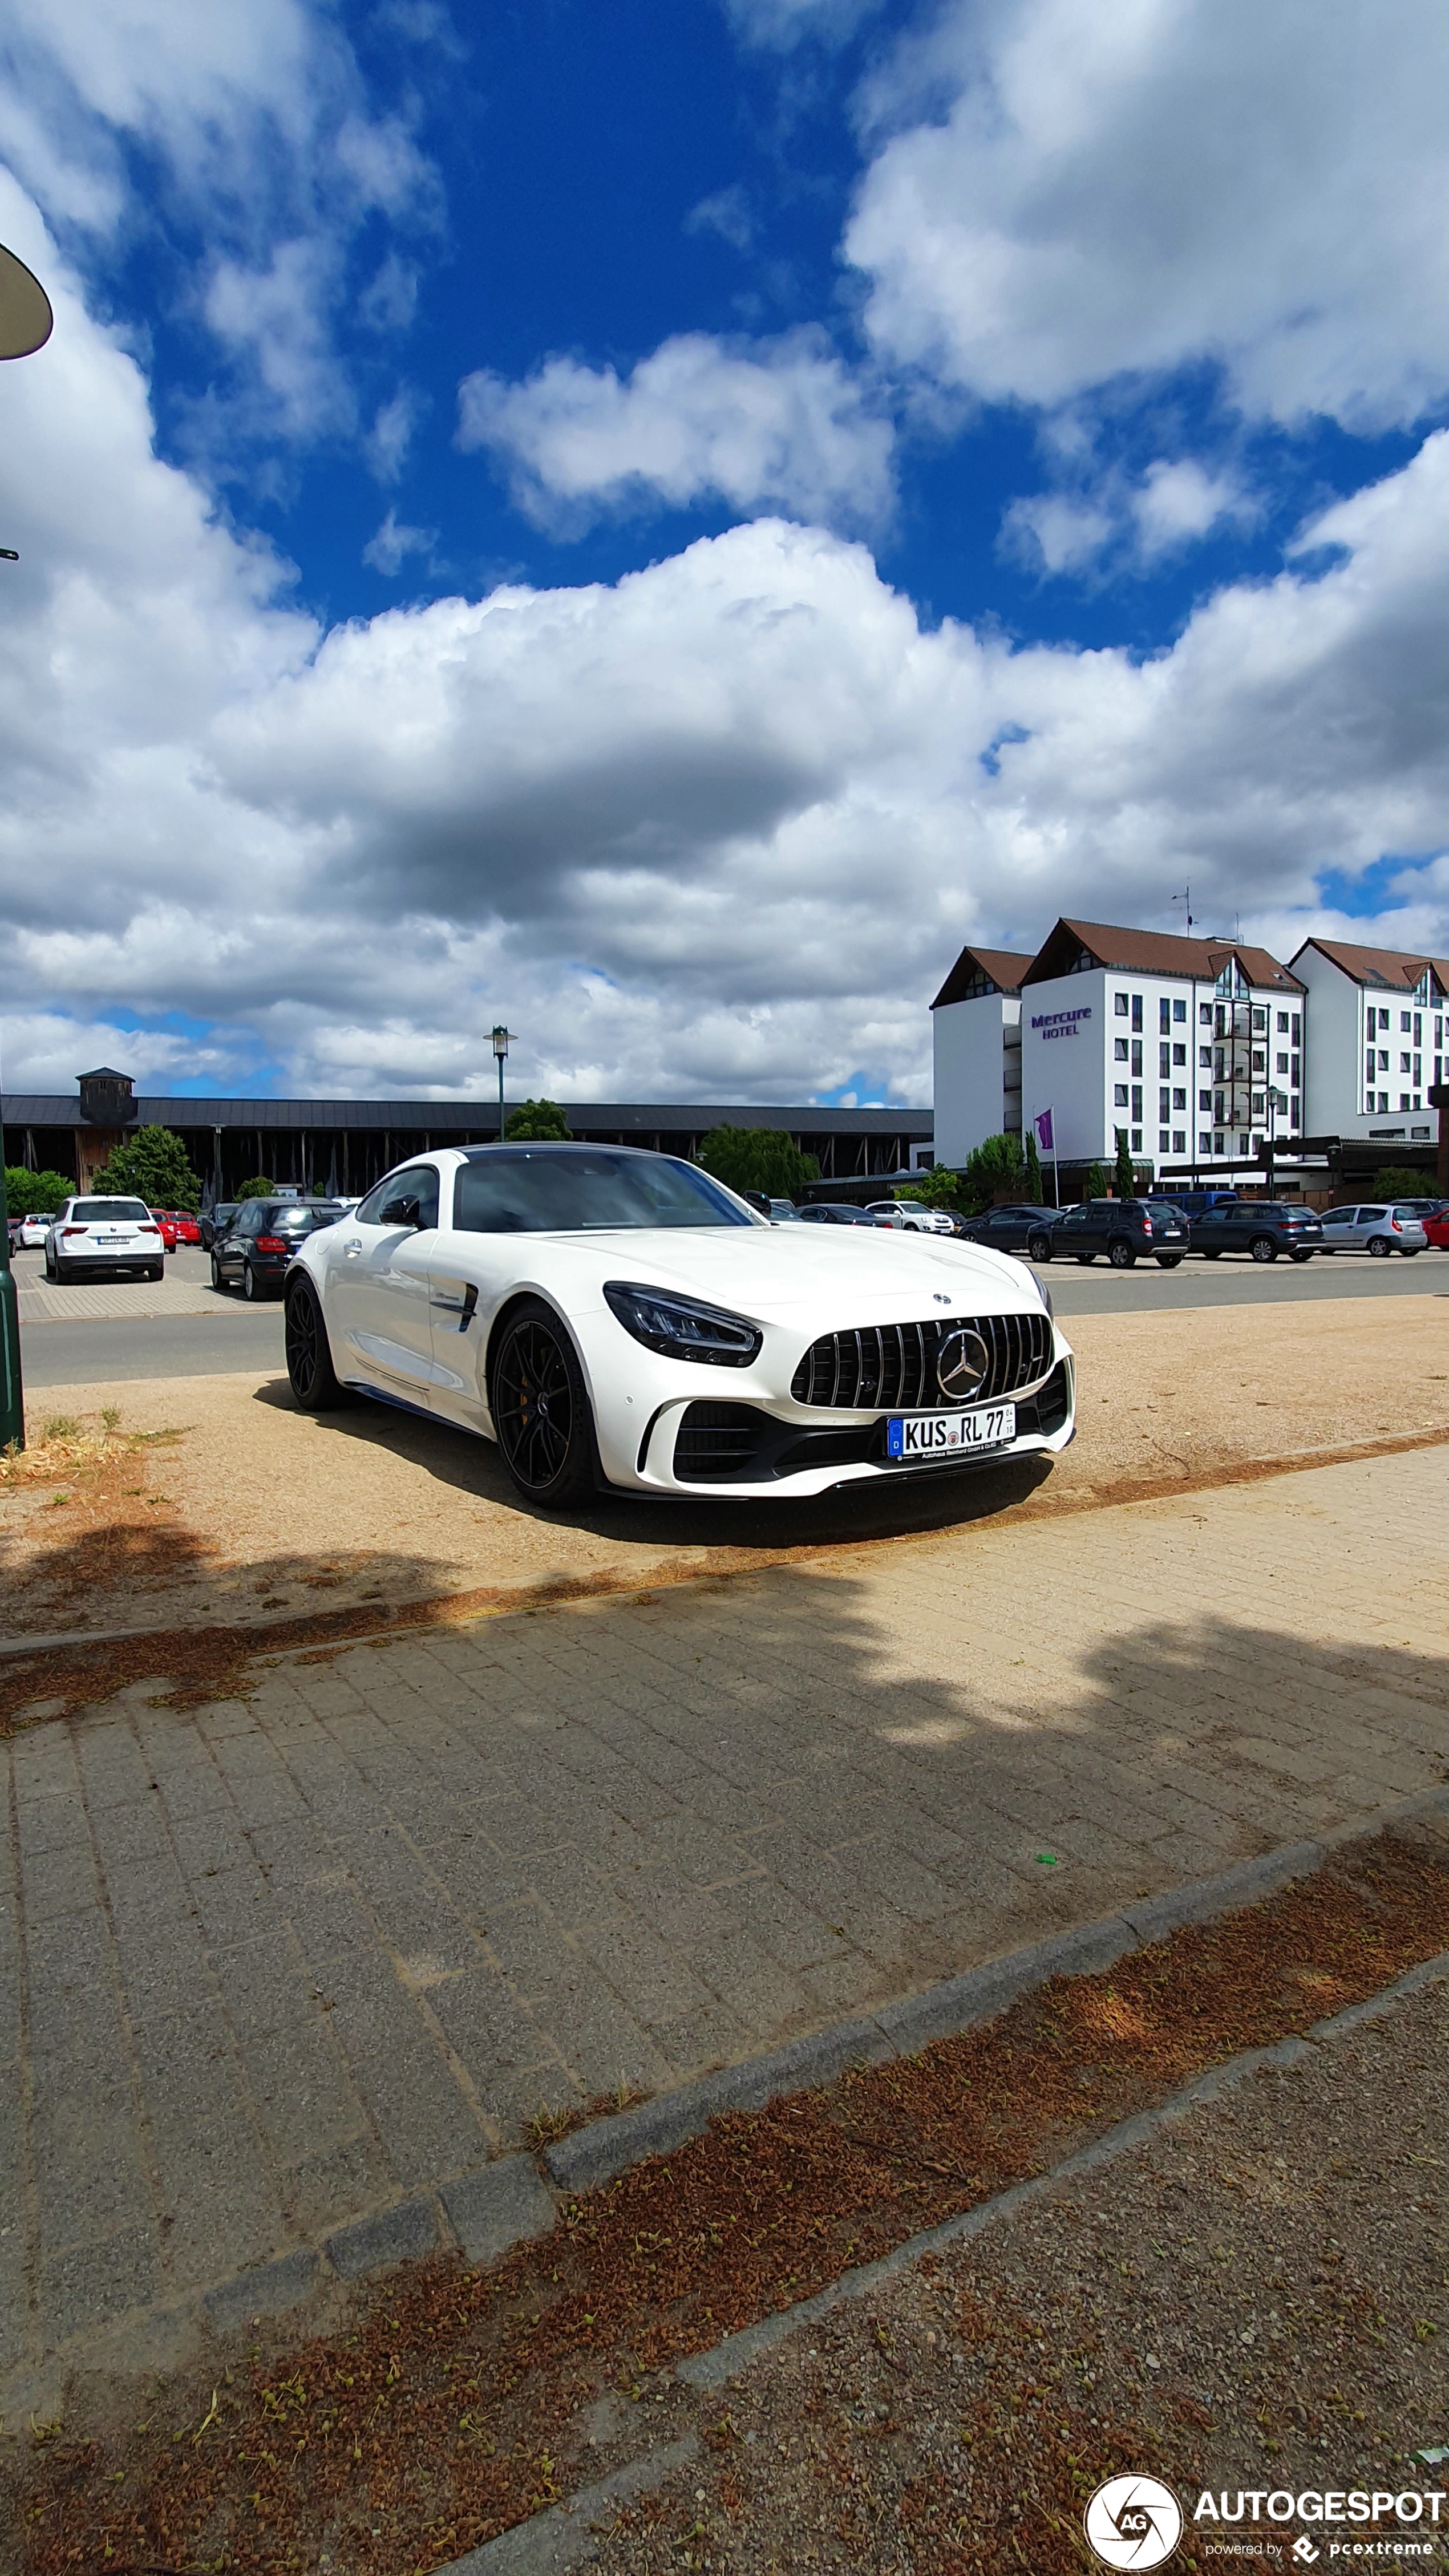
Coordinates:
(35, 1193)
(260, 1188)
(152, 1165)
(757, 1158)
(536, 1122)
(1401, 1181)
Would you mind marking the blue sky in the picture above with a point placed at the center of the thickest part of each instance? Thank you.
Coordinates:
(659, 522)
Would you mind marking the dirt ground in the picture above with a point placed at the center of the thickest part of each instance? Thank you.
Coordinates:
(257, 1512)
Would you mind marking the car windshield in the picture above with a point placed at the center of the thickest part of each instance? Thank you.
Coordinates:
(289, 1218)
(109, 1212)
(559, 1191)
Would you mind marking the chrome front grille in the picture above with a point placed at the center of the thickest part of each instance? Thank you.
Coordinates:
(892, 1367)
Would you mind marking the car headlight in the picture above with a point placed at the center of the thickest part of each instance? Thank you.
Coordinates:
(681, 1328)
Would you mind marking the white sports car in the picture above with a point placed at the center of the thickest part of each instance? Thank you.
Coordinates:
(617, 1319)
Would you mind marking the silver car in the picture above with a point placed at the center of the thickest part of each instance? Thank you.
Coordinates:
(1374, 1228)
(912, 1214)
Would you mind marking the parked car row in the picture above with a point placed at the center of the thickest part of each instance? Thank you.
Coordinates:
(1209, 1223)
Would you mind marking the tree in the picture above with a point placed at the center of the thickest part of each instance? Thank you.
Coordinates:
(35, 1193)
(940, 1188)
(757, 1158)
(992, 1166)
(1124, 1178)
(260, 1188)
(1096, 1182)
(152, 1165)
(1396, 1181)
(1033, 1182)
(536, 1122)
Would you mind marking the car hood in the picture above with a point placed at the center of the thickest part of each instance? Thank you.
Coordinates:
(849, 1274)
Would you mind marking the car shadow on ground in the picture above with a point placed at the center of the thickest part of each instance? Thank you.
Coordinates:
(944, 1498)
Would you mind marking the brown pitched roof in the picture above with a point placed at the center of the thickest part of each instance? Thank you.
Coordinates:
(1004, 967)
(1392, 970)
(1153, 952)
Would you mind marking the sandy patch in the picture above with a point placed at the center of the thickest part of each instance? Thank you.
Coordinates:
(262, 1513)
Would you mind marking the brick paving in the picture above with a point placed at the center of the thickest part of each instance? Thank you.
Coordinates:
(269, 1966)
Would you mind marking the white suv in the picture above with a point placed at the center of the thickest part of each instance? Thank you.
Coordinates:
(93, 1236)
(911, 1214)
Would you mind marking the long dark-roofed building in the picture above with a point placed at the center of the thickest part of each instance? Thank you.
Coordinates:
(344, 1146)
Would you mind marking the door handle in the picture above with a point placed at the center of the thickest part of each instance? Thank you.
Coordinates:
(352, 1251)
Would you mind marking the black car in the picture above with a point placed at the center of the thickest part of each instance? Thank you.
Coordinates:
(1125, 1229)
(254, 1252)
(1024, 1228)
(213, 1223)
(1261, 1228)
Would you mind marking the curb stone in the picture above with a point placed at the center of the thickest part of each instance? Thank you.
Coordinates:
(508, 2203)
(568, 2545)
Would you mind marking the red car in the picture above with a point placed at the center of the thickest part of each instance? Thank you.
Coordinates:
(1437, 1230)
(176, 1227)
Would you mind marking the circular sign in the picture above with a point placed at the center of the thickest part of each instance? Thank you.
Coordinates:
(961, 1364)
(25, 315)
(1133, 2522)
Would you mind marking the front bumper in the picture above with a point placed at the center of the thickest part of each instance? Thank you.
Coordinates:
(735, 1442)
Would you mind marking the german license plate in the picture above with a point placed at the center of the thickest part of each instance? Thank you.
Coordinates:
(935, 1435)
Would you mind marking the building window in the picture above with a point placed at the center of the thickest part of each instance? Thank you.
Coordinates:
(1179, 1140)
(1244, 1145)
(1136, 1099)
(1296, 1076)
(1164, 1014)
(1281, 1064)
(1220, 1144)
(1119, 1005)
(1119, 1050)
(1282, 1024)
(1204, 1015)
(1418, 1028)
(1164, 1059)
(1403, 1100)
(1371, 1068)
(1119, 1095)
(1383, 1104)
(1294, 1115)
(1137, 1010)
(1404, 1022)
(1297, 1029)
(1136, 1140)
(1179, 1055)
(1218, 1106)
(1204, 1144)
(1260, 1059)
(1137, 1055)
(1260, 1022)
(1403, 1064)
(1179, 1010)
(1416, 1102)
(1162, 1099)
(1179, 1100)
(1205, 1104)
(1383, 1059)
(1205, 1059)
(1418, 1073)
(1164, 1141)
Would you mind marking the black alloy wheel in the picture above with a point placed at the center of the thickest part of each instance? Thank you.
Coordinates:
(1263, 1248)
(1039, 1247)
(541, 1409)
(1379, 1246)
(1121, 1253)
(315, 1382)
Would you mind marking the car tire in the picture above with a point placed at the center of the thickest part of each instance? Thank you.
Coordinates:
(1213, 1256)
(1121, 1254)
(315, 1382)
(1300, 1257)
(50, 1265)
(1167, 1260)
(1410, 1251)
(1379, 1246)
(1086, 1259)
(218, 1281)
(154, 1270)
(1263, 1248)
(1039, 1248)
(541, 1413)
(252, 1288)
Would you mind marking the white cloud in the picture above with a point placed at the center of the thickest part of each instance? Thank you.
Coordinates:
(728, 212)
(391, 434)
(389, 548)
(264, 148)
(717, 828)
(1066, 193)
(1179, 502)
(1111, 521)
(778, 423)
(1056, 530)
(783, 24)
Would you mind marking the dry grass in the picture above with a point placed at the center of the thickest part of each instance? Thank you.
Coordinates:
(450, 2410)
(75, 1448)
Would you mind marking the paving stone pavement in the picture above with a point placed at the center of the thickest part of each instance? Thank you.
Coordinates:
(274, 1966)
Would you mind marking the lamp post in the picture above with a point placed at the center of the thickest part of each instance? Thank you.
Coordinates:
(25, 326)
(502, 1040)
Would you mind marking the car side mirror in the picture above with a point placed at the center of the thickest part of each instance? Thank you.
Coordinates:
(402, 1211)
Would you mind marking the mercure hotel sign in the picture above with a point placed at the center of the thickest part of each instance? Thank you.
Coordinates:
(1061, 1024)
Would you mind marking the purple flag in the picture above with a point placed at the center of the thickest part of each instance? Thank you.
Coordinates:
(1043, 1126)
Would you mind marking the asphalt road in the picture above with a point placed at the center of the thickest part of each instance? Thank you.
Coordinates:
(250, 1337)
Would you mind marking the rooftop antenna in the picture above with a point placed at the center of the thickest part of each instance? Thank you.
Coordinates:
(1185, 899)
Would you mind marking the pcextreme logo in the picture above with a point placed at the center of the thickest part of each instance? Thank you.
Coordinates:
(1133, 2522)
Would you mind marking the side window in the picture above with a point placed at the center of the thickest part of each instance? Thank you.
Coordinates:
(419, 1181)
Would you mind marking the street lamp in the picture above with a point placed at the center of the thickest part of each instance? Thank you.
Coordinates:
(25, 326)
(502, 1040)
